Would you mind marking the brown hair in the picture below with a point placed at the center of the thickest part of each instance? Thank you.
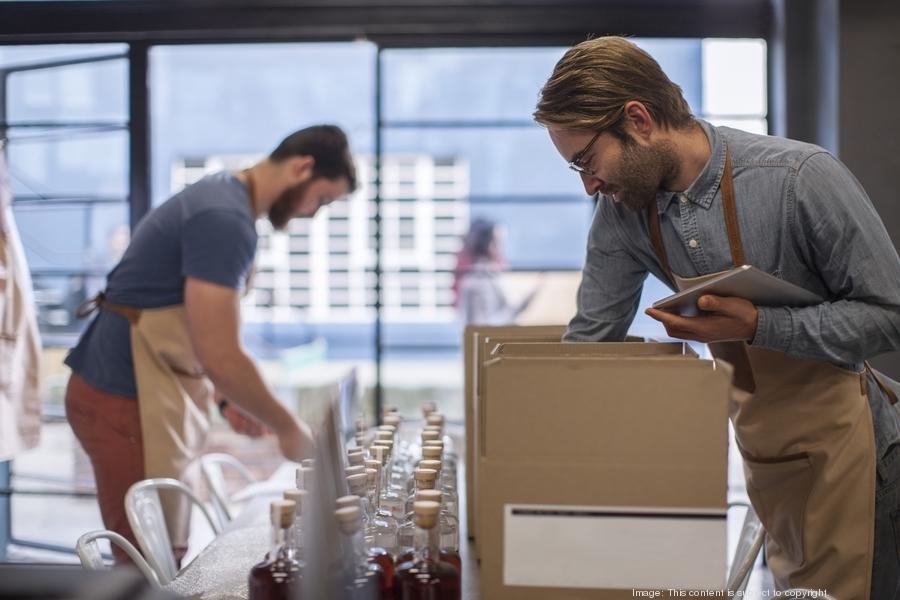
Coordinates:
(593, 81)
(327, 144)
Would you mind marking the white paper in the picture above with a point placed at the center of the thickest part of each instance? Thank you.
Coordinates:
(614, 547)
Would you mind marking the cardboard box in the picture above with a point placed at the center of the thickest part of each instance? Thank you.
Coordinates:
(602, 469)
(475, 343)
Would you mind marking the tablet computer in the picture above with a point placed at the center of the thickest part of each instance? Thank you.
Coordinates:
(745, 282)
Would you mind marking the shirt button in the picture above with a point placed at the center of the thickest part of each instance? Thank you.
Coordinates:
(683, 199)
(693, 244)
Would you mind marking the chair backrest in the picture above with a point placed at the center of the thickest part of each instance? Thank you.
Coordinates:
(145, 515)
(89, 552)
(749, 544)
(211, 468)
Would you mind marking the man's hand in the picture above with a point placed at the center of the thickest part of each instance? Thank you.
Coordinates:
(296, 440)
(243, 422)
(722, 320)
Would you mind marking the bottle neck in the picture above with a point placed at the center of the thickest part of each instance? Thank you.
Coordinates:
(385, 479)
(277, 541)
(432, 549)
(294, 535)
(355, 550)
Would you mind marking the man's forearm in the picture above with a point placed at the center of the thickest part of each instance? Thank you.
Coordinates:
(236, 376)
(846, 332)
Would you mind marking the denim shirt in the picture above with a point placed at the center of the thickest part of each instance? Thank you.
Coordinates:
(803, 218)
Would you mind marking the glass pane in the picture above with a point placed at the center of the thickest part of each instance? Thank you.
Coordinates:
(88, 92)
(309, 316)
(475, 161)
(66, 163)
(245, 98)
(751, 125)
(487, 84)
(734, 74)
(15, 56)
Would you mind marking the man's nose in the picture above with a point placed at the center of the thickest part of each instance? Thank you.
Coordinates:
(592, 184)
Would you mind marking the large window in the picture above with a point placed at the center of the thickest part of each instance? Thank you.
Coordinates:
(66, 122)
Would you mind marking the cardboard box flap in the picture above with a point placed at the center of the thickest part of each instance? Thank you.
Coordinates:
(550, 349)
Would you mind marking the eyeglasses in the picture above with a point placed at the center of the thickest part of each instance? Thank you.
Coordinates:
(575, 163)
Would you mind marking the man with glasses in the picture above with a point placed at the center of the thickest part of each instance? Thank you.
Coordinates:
(684, 200)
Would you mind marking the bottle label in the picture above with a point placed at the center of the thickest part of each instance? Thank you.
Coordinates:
(614, 547)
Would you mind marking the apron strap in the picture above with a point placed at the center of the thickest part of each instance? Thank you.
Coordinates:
(884, 388)
(731, 223)
(731, 219)
(131, 314)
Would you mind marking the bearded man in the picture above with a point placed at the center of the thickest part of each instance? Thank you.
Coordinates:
(167, 330)
(685, 200)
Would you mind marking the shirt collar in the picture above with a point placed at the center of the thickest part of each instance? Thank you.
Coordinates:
(703, 190)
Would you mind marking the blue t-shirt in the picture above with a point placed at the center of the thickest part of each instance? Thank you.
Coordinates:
(206, 231)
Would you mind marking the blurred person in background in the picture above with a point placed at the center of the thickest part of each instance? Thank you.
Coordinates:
(480, 299)
(167, 331)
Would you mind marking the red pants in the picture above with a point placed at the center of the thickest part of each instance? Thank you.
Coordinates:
(109, 429)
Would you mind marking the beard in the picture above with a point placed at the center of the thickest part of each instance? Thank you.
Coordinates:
(643, 171)
(282, 211)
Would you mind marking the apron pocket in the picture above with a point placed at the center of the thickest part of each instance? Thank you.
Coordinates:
(779, 491)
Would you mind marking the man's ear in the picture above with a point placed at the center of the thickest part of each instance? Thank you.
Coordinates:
(300, 169)
(638, 120)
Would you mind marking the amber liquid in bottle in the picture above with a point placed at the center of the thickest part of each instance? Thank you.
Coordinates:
(277, 577)
(428, 576)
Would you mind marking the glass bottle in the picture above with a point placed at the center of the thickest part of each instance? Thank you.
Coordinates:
(383, 526)
(357, 576)
(448, 526)
(444, 484)
(391, 500)
(380, 555)
(294, 535)
(277, 577)
(427, 576)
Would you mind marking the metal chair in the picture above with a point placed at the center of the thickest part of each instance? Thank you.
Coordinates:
(145, 515)
(89, 552)
(749, 544)
(214, 476)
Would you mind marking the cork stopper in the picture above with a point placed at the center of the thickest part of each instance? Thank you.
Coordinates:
(432, 452)
(435, 443)
(306, 475)
(428, 408)
(371, 463)
(381, 453)
(348, 519)
(429, 435)
(361, 426)
(393, 419)
(371, 477)
(355, 470)
(384, 436)
(360, 439)
(431, 464)
(282, 513)
(388, 443)
(388, 427)
(426, 513)
(435, 419)
(356, 459)
(350, 501)
(358, 483)
(298, 497)
(425, 478)
(430, 495)
(389, 410)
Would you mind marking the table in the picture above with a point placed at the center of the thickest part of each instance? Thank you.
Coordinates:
(220, 571)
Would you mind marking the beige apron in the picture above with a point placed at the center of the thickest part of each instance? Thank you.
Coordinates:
(173, 400)
(805, 432)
